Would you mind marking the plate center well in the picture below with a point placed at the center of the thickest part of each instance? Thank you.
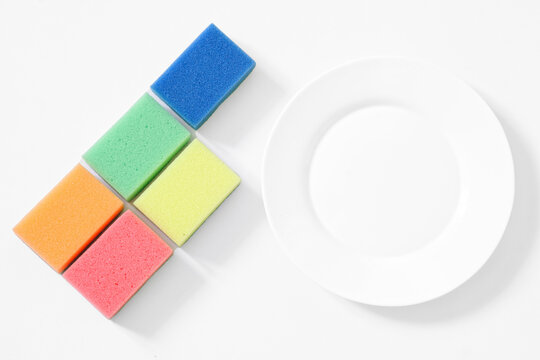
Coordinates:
(384, 180)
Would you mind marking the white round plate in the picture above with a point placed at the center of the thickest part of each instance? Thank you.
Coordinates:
(388, 181)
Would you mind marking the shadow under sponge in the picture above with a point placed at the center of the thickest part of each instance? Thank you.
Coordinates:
(118, 264)
(137, 147)
(187, 192)
(68, 218)
(203, 76)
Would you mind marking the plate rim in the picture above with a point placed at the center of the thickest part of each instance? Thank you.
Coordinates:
(357, 62)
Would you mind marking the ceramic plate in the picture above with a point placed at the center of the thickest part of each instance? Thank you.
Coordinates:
(388, 181)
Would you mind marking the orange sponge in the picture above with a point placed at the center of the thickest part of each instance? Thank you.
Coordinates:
(68, 218)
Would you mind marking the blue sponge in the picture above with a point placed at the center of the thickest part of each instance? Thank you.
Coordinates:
(204, 75)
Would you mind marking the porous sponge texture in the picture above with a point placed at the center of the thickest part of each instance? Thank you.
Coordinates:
(118, 263)
(204, 75)
(137, 147)
(187, 192)
(68, 218)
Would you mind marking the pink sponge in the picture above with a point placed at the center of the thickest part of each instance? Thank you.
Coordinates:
(118, 263)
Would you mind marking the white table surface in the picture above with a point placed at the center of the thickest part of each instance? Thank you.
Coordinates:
(69, 70)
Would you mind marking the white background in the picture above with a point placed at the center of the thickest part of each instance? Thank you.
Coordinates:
(69, 70)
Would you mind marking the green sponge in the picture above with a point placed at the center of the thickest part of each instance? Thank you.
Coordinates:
(187, 192)
(137, 147)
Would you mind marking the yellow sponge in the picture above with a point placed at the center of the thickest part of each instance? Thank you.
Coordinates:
(187, 192)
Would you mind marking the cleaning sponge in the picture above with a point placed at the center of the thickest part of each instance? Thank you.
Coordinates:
(118, 263)
(137, 147)
(187, 192)
(71, 215)
(204, 75)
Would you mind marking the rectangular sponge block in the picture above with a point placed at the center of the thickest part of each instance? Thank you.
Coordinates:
(187, 192)
(68, 218)
(137, 147)
(204, 75)
(118, 263)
